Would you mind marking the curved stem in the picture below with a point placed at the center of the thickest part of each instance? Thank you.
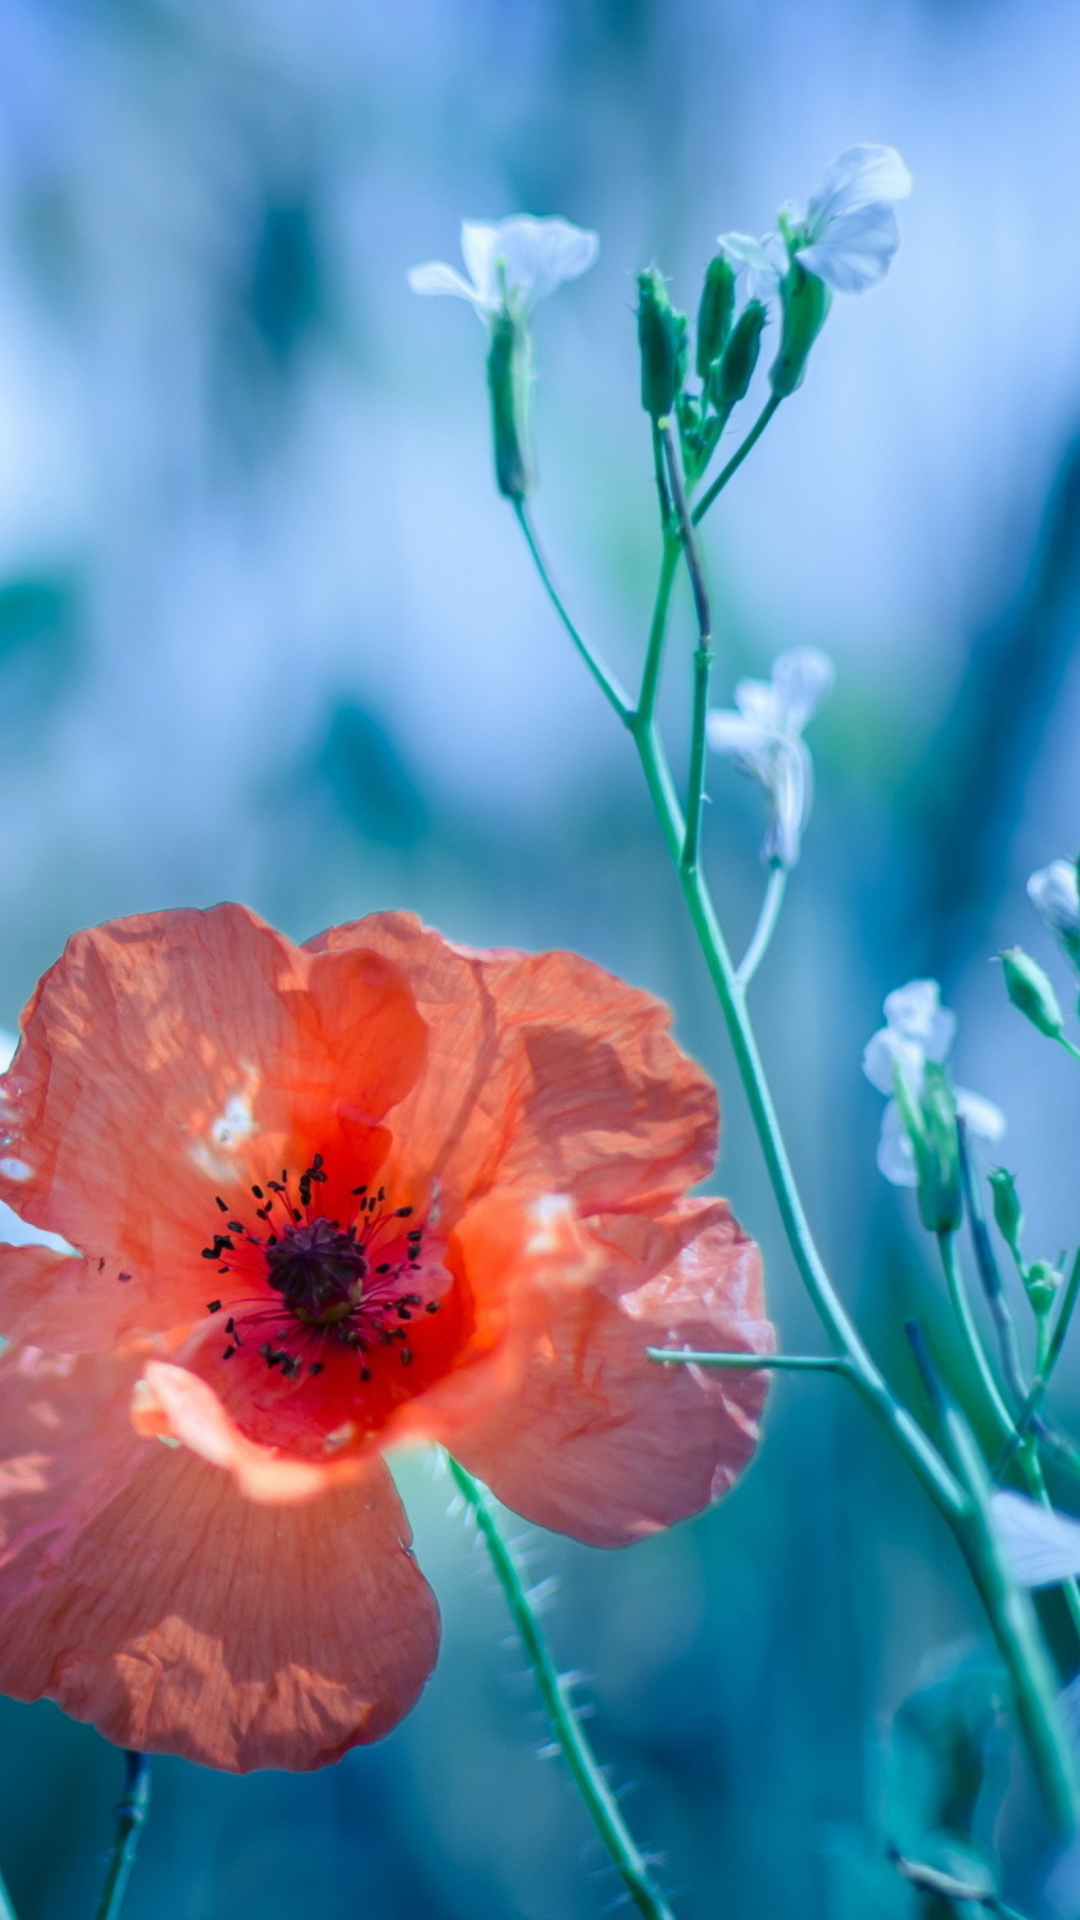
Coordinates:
(131, 1817)
(766, 926)
(737, 457)
(654, 653)
(756, 1362)
(703, 655)
(600, 1802)
(602, 674)
(973, 1345)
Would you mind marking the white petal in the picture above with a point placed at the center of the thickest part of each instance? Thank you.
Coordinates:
(802, 678)
(479, 247)
(915, 1012)
(759, 701)
(854, 250)
(857, 177)
(791, 791)
(1041, 1546)
(984, 1120)
(762, 263)
(737, 733)
(1054, 892)
(437, 277)
(885, 1051)
(541, 253)
(894, 1155)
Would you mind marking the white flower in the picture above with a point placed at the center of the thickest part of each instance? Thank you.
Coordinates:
(511, 263)
(1042, 1547)
(16, 1232)
(917, 1029)
(763, 734)
(1055, 894)
(847, 235)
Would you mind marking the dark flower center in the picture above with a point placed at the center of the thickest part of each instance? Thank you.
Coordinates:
(349, 1286)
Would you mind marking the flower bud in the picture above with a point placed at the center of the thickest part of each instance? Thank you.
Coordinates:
(662, 338)
(805, 301)
(1008, 1212)
(930, 1124)
(1031, 993)
(715, 313)
(1042, 1281)
(509, 368)
(1054, 891)
(730, 377)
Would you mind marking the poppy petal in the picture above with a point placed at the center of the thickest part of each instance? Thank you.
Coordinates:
(597, 1440)
(241, 1635)
(543, 1071)
(171, 1057)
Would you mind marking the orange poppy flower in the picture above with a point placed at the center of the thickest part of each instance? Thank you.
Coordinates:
(322, 1200)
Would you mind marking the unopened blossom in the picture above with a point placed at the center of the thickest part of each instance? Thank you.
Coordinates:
(511, 263)
(1054, 893)
(847, 234)
(763, 734)
(323, 1200)
(918, 1029)
(1041, 1546)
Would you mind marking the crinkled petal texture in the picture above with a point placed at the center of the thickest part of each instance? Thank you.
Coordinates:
(444, 1196)
(140, 1590)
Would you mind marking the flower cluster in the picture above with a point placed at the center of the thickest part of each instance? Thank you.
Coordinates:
(315, 1202)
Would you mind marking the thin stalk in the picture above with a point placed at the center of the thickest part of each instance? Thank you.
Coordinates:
(1016, 1627)
(600, 1802)
(766, 926)
(755, 1362)
(1031, 1469)
(131, 1815)
(1012, 1366)
(703, 655)
(1061, 1324)
(654, 652)
(602, 674)
(973, 1345)
(737, 457)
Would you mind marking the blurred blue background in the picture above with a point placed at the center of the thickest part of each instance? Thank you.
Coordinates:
(267, 633)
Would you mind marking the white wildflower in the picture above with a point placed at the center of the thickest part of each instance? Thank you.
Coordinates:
(512, 263)
(847, 235)
(763, 734)
(917, 1029)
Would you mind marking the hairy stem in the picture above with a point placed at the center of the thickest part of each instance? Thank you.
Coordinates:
(599, 1801)
(131, 1815)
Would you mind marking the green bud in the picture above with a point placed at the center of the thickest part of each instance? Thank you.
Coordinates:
(509, 370)
(1008, 1212)
(805, 301)
(1031, 993)
(730, 377)
(1042, 1281)
(930, 1125)
(662, 338)
(715, 313)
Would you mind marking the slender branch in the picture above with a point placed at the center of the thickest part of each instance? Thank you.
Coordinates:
(1008, 1606)
(756, 1362)
(1008, 1340)
(654, 652)
(1064, 1316)
(973, 1345)
(602, 674)
(737, 457)
(131, 1815)
(766, 925)
(600, 1802)
(703, 654)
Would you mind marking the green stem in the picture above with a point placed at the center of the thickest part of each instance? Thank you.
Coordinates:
(1031, 1469)
(737, 457)
(703, 656)
(602, 674)
(131, 1817)
(600, 1802)
(1061, 1324)
(766, 925)
(654, 653)
(755, 1362)
(973, 1345)
(1016, 1628)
